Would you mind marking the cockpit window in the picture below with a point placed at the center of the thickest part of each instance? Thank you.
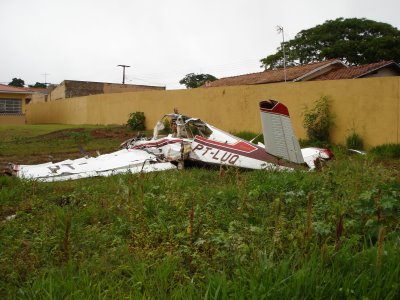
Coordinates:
(199, 128)
(181, 127)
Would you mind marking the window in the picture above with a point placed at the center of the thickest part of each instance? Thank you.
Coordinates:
(10, 106)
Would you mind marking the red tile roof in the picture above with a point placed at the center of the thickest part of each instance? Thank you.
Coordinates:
(336, 70)
(355, 72)
(36, 90)
(21, 90)
(271, 76)
(12, 89)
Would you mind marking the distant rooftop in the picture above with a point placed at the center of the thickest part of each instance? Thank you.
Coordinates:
(356, 71)
(326, 70)
(12, 89)
(68, 81)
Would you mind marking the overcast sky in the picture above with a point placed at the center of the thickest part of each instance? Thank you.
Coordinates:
(162, 40)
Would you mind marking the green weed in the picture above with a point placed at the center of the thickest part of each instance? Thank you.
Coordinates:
(385, 151)
(208, 234)
(354, 141)
(319, 120)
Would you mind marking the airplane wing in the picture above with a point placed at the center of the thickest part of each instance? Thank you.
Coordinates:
(122, 161)
(279, 137)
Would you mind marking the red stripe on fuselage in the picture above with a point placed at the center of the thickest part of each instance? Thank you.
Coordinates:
(258, 153)
(241, 146)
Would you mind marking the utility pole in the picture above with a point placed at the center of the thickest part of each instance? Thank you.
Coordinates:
(45, 78)
(123, 72)
(279, 29)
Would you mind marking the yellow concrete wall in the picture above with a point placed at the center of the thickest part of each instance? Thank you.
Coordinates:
(370, 106)
(57, 93)
(12, 120)
(67, 111)
(38, 97)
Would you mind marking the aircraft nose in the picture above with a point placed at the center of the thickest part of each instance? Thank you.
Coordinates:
(326, 154)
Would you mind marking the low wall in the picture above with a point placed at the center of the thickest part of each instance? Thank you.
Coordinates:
(12, 119)
(369, 106)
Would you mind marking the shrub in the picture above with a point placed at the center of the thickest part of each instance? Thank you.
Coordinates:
(354, 141)
(318, 120)
(136, 121)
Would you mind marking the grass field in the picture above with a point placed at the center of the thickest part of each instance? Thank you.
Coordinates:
(36, 143)
(196, 233)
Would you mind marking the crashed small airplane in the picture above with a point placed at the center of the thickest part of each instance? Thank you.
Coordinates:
(190, 140)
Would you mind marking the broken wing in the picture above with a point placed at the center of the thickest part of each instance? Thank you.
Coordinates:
(122, 161)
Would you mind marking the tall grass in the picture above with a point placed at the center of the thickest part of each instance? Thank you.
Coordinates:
(202, 234)
(196, 233)
(354, 141)
(386, 151)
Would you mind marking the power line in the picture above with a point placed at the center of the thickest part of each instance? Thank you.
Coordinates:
(147, 81)
(167, 76)
(236, 65)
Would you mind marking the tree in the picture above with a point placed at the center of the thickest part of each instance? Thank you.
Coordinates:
(38, 85)
(354, 41)
(195, 80)
(18, 82)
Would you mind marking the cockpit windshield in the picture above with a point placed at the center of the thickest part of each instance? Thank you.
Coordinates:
(180, 126)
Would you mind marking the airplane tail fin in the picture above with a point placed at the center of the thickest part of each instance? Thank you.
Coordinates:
(279, 137)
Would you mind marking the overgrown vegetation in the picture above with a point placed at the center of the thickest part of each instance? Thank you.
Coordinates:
(197, 233)
(354, 141)
(136, 121)
(318, 121)
(386, 151)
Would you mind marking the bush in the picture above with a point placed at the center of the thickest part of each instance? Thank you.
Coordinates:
(354, 141)
(136, 121)
(318, 120)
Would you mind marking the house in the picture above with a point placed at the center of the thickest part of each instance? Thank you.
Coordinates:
(75, 88)
(332, 69)
(13, 101)
(12, 104)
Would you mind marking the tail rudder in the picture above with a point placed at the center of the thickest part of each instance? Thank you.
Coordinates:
(279, 137)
